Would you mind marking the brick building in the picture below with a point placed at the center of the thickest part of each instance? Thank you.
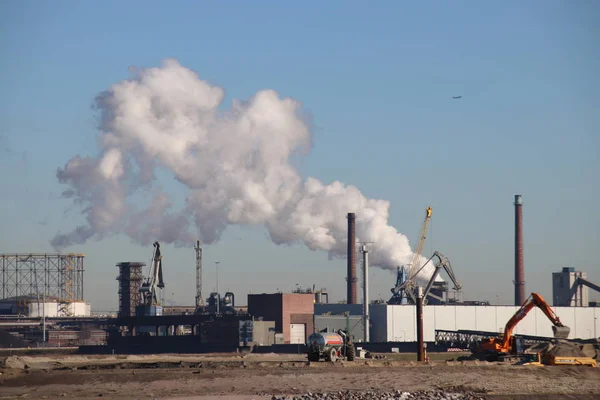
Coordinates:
(292, 313)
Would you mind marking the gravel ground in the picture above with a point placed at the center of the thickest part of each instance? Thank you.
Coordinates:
(378, 395)
(273, 377)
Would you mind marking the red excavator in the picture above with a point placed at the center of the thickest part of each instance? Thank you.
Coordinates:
(507, 347)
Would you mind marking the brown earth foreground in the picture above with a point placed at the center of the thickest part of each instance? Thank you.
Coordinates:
(257, 376)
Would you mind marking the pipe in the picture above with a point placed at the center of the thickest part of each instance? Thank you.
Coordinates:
(519, 268)
(420, 340)
(351, 290)
(366, 318)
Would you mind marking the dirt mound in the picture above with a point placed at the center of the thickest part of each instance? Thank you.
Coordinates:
(566, 350)
(589, 350)
(14, 362)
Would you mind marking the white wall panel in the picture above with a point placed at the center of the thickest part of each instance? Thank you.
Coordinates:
(401, 321)
(445, 317)
(403, 326)
(584, 323)
(428, 324)
(485, 319)
(465, 318)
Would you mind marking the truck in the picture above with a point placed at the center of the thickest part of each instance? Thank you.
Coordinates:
(330, 346)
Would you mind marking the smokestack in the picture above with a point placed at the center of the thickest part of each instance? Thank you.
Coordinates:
(519, 269)
(351, 295)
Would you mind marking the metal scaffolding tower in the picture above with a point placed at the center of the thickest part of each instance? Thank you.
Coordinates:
(199, 299)
(58, 276)
(130, 281)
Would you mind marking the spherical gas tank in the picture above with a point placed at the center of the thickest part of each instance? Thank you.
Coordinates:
(322, 339)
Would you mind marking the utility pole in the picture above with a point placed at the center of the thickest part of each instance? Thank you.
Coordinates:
(420, 341)
(199, 299)
(43, 316)
(218, 294)
(366, 319)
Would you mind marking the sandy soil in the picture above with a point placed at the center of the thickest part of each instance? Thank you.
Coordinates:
(261, 376)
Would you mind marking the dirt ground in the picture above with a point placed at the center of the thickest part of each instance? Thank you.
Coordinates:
(254, 376)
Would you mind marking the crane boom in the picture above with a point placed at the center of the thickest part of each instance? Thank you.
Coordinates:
(415, 266)
(155, 279)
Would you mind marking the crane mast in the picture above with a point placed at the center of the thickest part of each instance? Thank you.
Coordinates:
(154, 280)
(199, 299)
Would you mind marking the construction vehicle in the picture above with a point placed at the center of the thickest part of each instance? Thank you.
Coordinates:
(150, 300)
(405, 289)
(508, 347)
(539, 359)
(330, 346)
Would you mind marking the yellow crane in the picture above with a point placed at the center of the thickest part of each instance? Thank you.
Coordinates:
(415, 266)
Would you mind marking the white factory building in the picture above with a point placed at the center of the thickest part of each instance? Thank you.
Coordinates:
(397, 323)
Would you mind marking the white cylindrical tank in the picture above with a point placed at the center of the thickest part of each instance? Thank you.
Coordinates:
(79, 309)
(321, 340)
(48, 309)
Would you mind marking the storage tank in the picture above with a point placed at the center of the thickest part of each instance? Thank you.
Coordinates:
(330, 346)
(323, 339)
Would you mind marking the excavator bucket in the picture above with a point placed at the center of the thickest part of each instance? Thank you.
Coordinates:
(561, 332)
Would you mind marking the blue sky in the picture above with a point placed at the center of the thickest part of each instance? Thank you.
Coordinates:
(378, 81)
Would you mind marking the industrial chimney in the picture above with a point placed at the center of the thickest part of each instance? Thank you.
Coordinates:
(351, 295)
(519, 269)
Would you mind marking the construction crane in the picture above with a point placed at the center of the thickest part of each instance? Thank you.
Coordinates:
(442, 262)
(150, 300)
(503, 347)
(409, 286)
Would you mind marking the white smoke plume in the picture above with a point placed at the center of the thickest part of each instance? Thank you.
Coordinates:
(235, 166)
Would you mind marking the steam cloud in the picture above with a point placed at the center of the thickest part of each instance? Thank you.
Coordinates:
(234, 164)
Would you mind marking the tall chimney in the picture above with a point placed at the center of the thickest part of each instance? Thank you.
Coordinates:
(519, 269)
(351, 295)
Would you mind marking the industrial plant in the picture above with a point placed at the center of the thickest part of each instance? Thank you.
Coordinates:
(43, 305)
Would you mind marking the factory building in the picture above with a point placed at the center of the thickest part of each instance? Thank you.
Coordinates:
(397, 323)
(566, 292)
(292, 313)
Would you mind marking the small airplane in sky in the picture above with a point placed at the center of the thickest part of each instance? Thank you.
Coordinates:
(456, 97)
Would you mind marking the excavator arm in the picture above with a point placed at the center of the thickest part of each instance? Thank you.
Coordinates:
(535, 300)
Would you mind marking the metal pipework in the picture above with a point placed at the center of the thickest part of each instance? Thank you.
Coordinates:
(351, 289)
(519, 267)
(365, 253)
